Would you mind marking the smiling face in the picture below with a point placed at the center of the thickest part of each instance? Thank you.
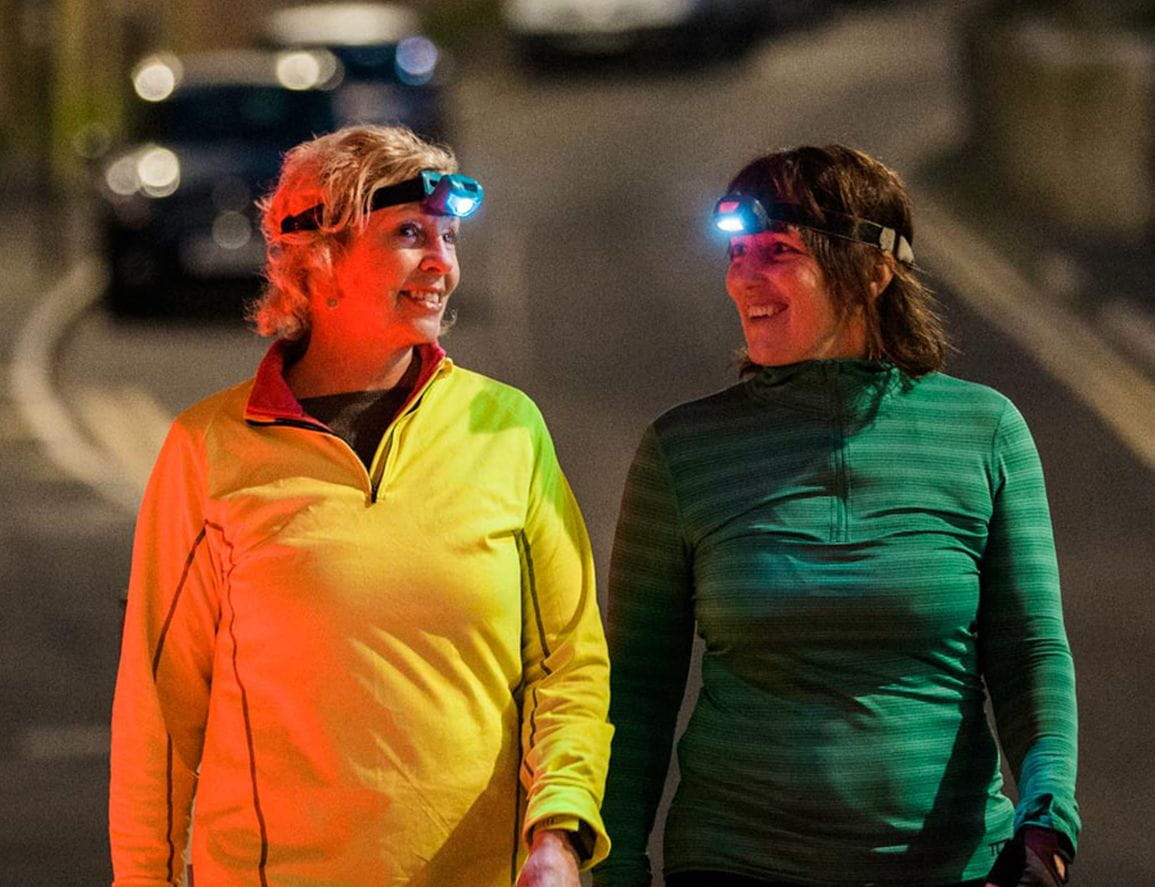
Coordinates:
(787, 310)
(392, 281)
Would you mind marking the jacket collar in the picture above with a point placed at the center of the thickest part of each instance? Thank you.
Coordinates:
(271, 399)
(845, 387)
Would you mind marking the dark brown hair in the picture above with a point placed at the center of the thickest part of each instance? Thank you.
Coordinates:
(902, 324)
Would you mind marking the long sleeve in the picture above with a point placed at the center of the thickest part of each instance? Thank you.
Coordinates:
(565, 734)
(1025, 655)
(650, 623)
(162, 686)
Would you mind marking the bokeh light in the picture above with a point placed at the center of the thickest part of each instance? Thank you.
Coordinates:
(156, 77)
(416, 60)
(159, 172)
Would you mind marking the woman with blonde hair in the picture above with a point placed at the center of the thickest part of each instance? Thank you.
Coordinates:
(362, 629)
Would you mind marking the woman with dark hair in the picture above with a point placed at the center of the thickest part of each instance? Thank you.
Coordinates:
(864, 544)
(362, 630)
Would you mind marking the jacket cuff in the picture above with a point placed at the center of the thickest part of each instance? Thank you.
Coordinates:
(575, 813)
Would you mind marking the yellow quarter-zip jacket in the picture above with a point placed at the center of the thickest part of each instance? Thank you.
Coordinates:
(352, 671)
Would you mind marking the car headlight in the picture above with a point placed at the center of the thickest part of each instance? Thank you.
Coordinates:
(152, 171)
(159, 172)
(155, 78)
(308, 69)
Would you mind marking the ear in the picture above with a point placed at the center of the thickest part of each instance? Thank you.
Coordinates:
(880, 276)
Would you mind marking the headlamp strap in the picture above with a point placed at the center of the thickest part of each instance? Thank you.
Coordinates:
(836, 224)
(839, 225)
(414, 190)
(306, 220)
(409, 191)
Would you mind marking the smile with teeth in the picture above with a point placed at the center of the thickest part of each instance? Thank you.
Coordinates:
(430, 299)
(755, 311)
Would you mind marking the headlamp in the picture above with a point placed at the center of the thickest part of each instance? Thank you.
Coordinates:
(439, 193)
(738, 213)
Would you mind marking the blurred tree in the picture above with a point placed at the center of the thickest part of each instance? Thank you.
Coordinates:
(25, 77)
(88, 69)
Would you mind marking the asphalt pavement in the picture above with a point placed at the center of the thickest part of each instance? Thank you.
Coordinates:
(62, 551)
(52, 811)
(1104, 278)
(56, 674)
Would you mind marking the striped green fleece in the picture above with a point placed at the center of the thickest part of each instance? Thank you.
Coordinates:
(860, 553)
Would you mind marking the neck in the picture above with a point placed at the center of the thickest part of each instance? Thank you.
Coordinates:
(325, 369)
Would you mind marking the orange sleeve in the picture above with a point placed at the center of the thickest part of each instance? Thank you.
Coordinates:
(162, 686)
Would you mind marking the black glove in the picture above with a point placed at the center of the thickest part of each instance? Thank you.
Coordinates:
(1035, 857)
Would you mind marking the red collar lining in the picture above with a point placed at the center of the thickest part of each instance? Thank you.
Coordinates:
(272, 399)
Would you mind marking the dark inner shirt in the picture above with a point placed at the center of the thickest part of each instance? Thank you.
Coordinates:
(361, 417)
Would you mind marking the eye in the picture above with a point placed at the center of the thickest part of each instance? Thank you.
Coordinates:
(450, 236)
(408, 230)
(735, 249)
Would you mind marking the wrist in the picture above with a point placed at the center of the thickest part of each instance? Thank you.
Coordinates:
(554, 839)
(1051, 847)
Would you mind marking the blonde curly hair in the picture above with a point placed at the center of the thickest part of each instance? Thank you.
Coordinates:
(340, 171)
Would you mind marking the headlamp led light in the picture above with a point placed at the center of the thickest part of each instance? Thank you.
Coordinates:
(739, 213)
(439, 193)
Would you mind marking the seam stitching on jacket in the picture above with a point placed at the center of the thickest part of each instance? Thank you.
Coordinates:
(249, 738)
(531, 585)
(176, 598)
(171, 861)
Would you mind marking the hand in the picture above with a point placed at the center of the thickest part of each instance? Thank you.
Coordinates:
(1035, 857)
(552, 861)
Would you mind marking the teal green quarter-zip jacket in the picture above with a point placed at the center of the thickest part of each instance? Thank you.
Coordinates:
(861, 553)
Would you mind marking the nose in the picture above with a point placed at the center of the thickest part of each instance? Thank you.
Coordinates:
(741, 270)
(439, 257)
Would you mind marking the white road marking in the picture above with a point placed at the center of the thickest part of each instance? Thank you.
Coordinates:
(129, 425)
(13, 428)
(33, 388)
(1102, 378)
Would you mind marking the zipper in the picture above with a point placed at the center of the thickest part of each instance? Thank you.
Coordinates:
(840, 505)
(385, 457)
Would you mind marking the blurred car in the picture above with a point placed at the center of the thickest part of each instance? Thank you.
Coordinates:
(545, 29)
(393, 72)
(207, 135)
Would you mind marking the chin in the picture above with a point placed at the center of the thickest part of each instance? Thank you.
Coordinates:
(767, 357)
(427, 332)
